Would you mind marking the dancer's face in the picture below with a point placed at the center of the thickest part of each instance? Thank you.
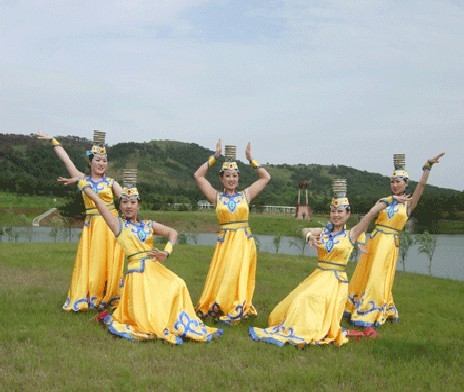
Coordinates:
(98, 165)
(229, 179)
(129, 207)
(339, 216)
(398, 186)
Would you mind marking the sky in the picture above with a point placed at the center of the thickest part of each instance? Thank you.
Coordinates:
(326, 82)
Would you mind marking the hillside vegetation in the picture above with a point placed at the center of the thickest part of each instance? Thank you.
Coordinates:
(165, 172)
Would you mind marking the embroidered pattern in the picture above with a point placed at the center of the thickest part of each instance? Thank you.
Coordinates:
(392, 209)
(231, 201)
(142, 230)
(329, 240)
(188, 326)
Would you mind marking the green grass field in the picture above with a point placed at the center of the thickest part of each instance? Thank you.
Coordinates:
(45, 349)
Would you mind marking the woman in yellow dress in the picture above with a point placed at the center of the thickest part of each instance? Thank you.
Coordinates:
(99, 262)
(312, 312)
(230, 283)
(370, 300)
(155, 303)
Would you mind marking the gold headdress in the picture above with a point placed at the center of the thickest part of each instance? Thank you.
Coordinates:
(129, 180)
(230, 164)
(339, 190)
(98, 147)
(399, 162)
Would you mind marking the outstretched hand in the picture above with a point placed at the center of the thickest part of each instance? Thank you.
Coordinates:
(436, 158)
(248, 152)
(43, 136)
(314, 241)
(218, 148)
(68, 181)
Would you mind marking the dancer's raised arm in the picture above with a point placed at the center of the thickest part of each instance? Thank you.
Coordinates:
(62, 154)
(264, 177)
(422, 182)
(204, 185)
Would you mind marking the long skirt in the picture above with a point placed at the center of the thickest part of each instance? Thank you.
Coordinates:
(98, 268)
(156, 304)
(310, 314)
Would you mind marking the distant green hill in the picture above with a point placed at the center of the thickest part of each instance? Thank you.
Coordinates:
(165, 172)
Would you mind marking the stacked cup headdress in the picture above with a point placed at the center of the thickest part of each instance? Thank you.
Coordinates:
(129, 180)
(230, 154)
(399, 162)
(339, 191)
(98, 147)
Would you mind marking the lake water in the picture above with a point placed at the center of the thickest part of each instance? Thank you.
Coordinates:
(447, 262)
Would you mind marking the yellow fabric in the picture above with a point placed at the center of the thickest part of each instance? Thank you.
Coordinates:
(312, 312)
(168, 248)
(370, 299)
(155, 303)
(230, 283)
(361, 238)
(98, 267)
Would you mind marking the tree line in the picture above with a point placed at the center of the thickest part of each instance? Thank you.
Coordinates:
(165, 172)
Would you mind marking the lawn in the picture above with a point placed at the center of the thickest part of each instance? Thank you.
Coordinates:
(44, 348)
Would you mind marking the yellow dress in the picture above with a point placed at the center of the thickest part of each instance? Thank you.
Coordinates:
(312, 312)
(98, 267)
(370, 299)
(230, 283)
(155, 302)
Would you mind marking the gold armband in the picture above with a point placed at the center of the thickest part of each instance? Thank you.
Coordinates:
(168, 248)
(308, 234)
(211, 161)
(427, 166)
(55, 142)
(255, 164)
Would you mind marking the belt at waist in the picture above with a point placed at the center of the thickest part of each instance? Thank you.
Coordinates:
(94, 211)
(386, 229)
(234, 225)
(136, 261)
(138, 256)
(330, 266)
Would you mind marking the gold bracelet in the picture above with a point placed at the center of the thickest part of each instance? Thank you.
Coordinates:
(211, 161)
(427, 166)
(255, 164)
(308, 234)
(168, 248)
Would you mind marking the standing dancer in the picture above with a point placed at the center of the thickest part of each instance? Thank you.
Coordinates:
(370, 300)
(98, 267)
(155, 303)
(230, 283)
(312, 312)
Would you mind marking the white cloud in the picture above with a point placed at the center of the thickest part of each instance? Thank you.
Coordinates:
(316, 82)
